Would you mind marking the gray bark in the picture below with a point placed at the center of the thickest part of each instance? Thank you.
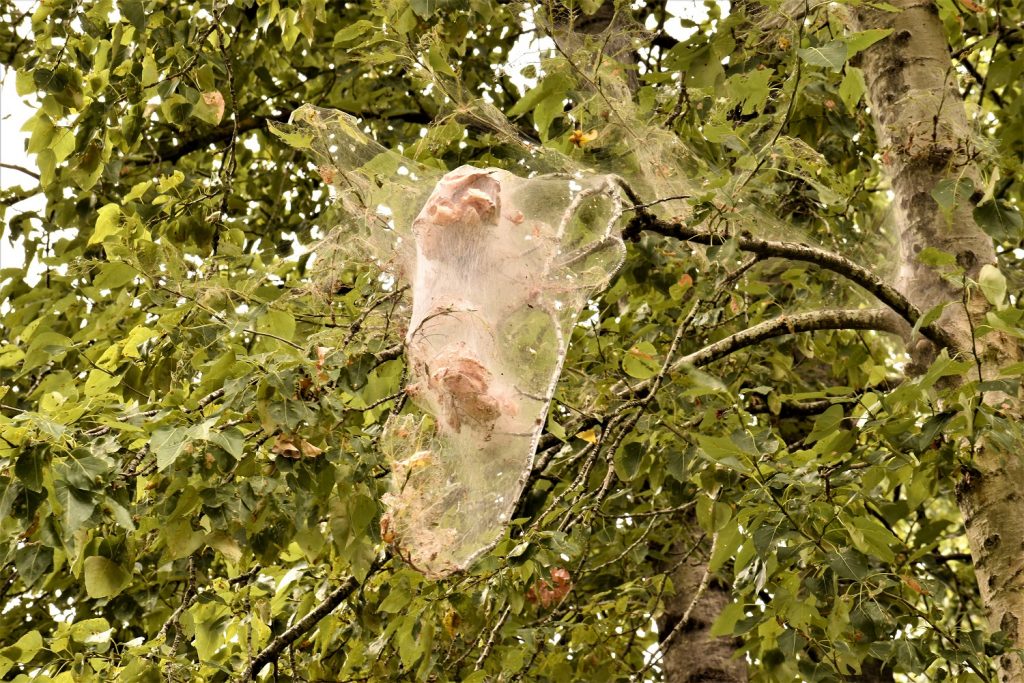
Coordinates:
(926, 137)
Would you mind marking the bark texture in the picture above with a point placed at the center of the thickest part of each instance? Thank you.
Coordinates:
(926, 138)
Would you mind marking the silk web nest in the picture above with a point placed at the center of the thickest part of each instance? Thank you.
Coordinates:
(500, 267)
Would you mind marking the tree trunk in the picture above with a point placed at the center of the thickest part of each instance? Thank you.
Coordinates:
(694, 655)
(926, 138)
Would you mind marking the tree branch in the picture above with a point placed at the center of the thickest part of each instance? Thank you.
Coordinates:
(884, 292)
(278, 645)
(20, 169)
(878, 319)
(841, 319)
(219, 134)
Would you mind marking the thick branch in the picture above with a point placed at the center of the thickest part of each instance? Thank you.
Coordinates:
(885, 292)
(878, 319)
(868, 319)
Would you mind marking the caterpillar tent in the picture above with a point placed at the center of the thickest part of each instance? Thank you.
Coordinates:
(499, 268)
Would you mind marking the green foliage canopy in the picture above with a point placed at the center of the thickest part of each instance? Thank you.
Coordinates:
(192, 389)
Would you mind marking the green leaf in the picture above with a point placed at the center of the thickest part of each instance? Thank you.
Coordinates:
(78, 505)
(181, 539)
(293, 138)
(438, 62)
(22, 651)
(949, 192)
(168, 443)
(928, 318)
(849, 564)
(135, 13)
(139, 335)
(353, 32)
(705, 68)
(10, 356)
(930, 256)
(176, 109)
(554, 85)
(871, 538)
(108, 223)
(138, 190)
(103, 578)
(278, 323)
(730, 537)
(1000, 220)
(993, 285)
(856, 42)
(726, 451)
(628, 459)
(232, 441)
(852, 88)
(546, 111)
(169, 182)
(826, 423)
(114, 275)
(831, 55)
(91, 631)
(211, 620)
(423, 8)
(725, 624)
(396, 600)
(751, 88)
(641, 361)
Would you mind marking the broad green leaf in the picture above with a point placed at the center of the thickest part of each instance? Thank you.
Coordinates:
(92, 631)
(827, 423)
(168, 443)
(295, 139)
(641, 361)
(751, 88)
(832, 55)
(725, 624)
(1000, 220)
(22, 651)
(103, 578)
(856, 42)
(10, 356)
(139, 335)
(114, 275)
(628, 460)
(852, 87)
(950, 192)
(993, 285)
(108, 223)
(438, 62)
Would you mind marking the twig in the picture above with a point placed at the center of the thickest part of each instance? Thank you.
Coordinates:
(702, 587)
(489, 645)
(20, 169)
(186, 601)
(278, 645)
